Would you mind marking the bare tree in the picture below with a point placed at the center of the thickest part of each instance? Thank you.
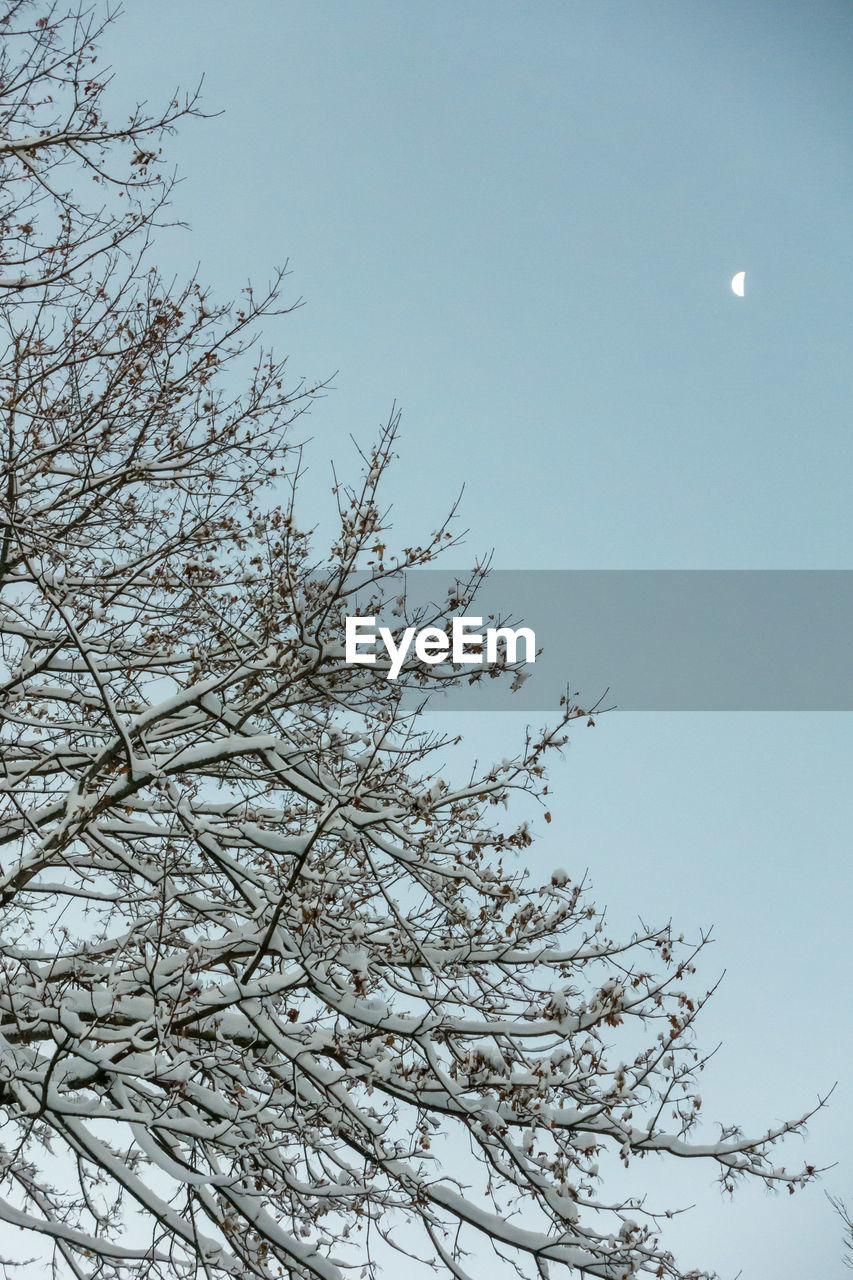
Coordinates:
(75, 189)
(847, 1220)
(259, 957)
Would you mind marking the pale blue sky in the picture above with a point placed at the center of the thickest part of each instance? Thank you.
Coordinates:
(520, 222)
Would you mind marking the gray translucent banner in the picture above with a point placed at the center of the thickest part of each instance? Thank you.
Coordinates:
(661, 640)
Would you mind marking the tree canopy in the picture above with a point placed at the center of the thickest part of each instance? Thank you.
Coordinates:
(266, 955)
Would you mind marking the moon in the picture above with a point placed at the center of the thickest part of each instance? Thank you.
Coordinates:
(737, 283)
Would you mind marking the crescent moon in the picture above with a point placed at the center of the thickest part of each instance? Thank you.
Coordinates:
(738, 283)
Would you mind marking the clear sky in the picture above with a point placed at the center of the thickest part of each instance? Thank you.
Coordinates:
(520, 223)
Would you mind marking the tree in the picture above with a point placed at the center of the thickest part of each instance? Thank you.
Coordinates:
(847, 1220)
(258, 954)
